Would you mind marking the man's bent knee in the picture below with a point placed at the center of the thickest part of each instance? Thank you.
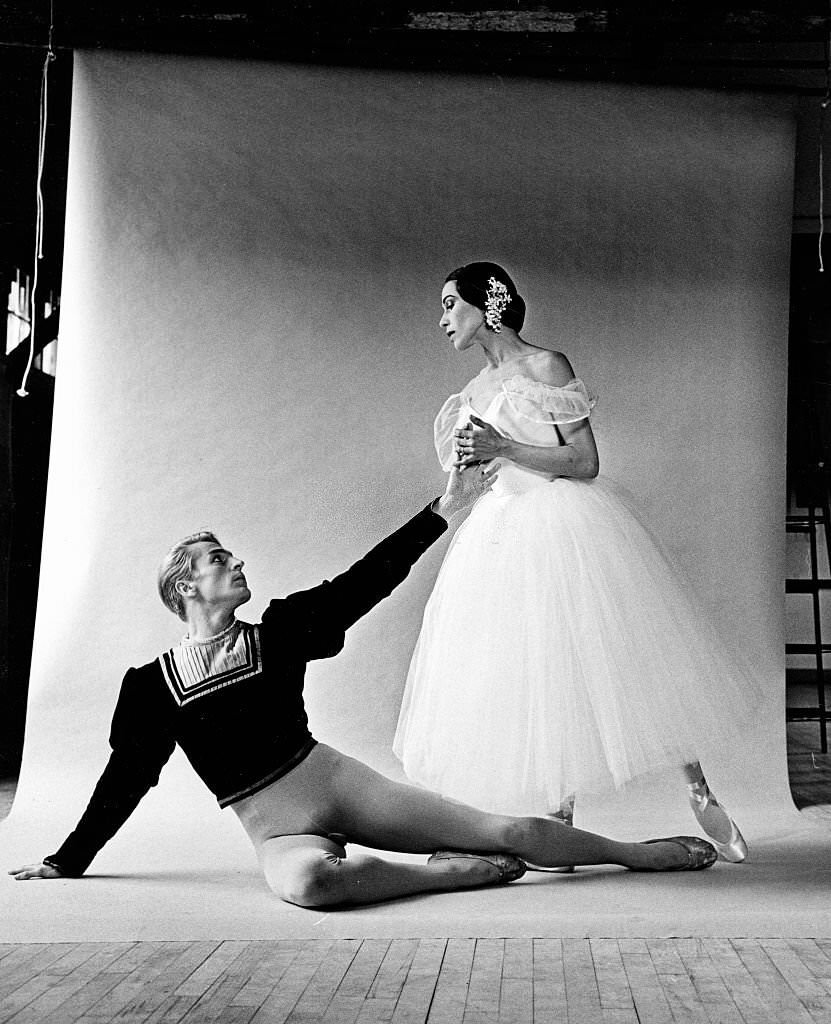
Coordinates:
(307, 878)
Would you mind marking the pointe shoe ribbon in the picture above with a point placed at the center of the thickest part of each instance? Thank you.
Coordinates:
(700, 853)
(510, 868)
(712, 817)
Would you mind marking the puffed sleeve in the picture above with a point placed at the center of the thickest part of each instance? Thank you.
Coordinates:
(545, 403)
(443, 429)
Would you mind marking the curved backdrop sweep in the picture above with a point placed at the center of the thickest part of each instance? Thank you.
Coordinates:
(254, 256)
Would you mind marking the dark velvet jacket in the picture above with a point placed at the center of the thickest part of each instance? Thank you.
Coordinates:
(245, 731)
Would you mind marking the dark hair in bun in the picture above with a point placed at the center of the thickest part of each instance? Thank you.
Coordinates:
(471, 282)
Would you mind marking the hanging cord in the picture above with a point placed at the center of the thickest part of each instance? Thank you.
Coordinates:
(821, 190)
(823, 108)
(44, 95)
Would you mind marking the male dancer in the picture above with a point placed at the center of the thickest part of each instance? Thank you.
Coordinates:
(231, 695)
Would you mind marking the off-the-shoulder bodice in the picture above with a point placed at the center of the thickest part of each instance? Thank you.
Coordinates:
(518, 405)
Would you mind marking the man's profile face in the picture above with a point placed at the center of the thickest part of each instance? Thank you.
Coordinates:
(217, 579)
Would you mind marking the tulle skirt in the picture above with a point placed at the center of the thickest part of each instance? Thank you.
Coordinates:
(560, 653)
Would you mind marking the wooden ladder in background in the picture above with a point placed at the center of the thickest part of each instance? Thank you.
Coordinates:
(813, 490)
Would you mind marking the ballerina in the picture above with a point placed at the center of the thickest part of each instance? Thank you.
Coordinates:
(560, 652)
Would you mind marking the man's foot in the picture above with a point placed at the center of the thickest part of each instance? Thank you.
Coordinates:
(481, 868)
(678, 853)
(717, 823)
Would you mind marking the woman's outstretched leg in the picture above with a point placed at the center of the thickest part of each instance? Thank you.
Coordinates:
(712, 817)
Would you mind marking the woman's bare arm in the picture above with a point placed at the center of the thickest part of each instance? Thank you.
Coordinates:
(576, 457)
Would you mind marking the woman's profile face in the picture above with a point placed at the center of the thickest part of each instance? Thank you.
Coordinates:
(460, 321)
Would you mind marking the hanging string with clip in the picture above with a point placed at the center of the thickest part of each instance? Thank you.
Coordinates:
(44, 95)
(823, 109)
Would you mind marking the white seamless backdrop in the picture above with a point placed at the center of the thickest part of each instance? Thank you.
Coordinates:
(249, 342)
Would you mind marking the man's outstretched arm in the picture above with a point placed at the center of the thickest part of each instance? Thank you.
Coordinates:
(140, 748)
(317, 619)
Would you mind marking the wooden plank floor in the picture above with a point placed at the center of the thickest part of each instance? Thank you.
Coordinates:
(419, 981)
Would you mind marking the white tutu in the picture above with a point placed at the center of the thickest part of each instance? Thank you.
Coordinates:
(559, 652)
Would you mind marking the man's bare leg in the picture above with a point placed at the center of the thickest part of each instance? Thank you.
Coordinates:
(315, 872)
(374, 811)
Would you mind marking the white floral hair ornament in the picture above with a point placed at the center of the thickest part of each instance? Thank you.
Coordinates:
(497, 300)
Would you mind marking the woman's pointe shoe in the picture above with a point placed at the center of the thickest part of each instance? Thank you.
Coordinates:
(510, 868)
(717, 823)
(700, 853)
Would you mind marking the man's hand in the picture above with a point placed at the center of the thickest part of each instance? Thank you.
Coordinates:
(35, 871)
(464, 485)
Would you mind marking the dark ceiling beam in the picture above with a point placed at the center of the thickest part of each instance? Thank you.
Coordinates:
(709, 43)
(218, 25)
